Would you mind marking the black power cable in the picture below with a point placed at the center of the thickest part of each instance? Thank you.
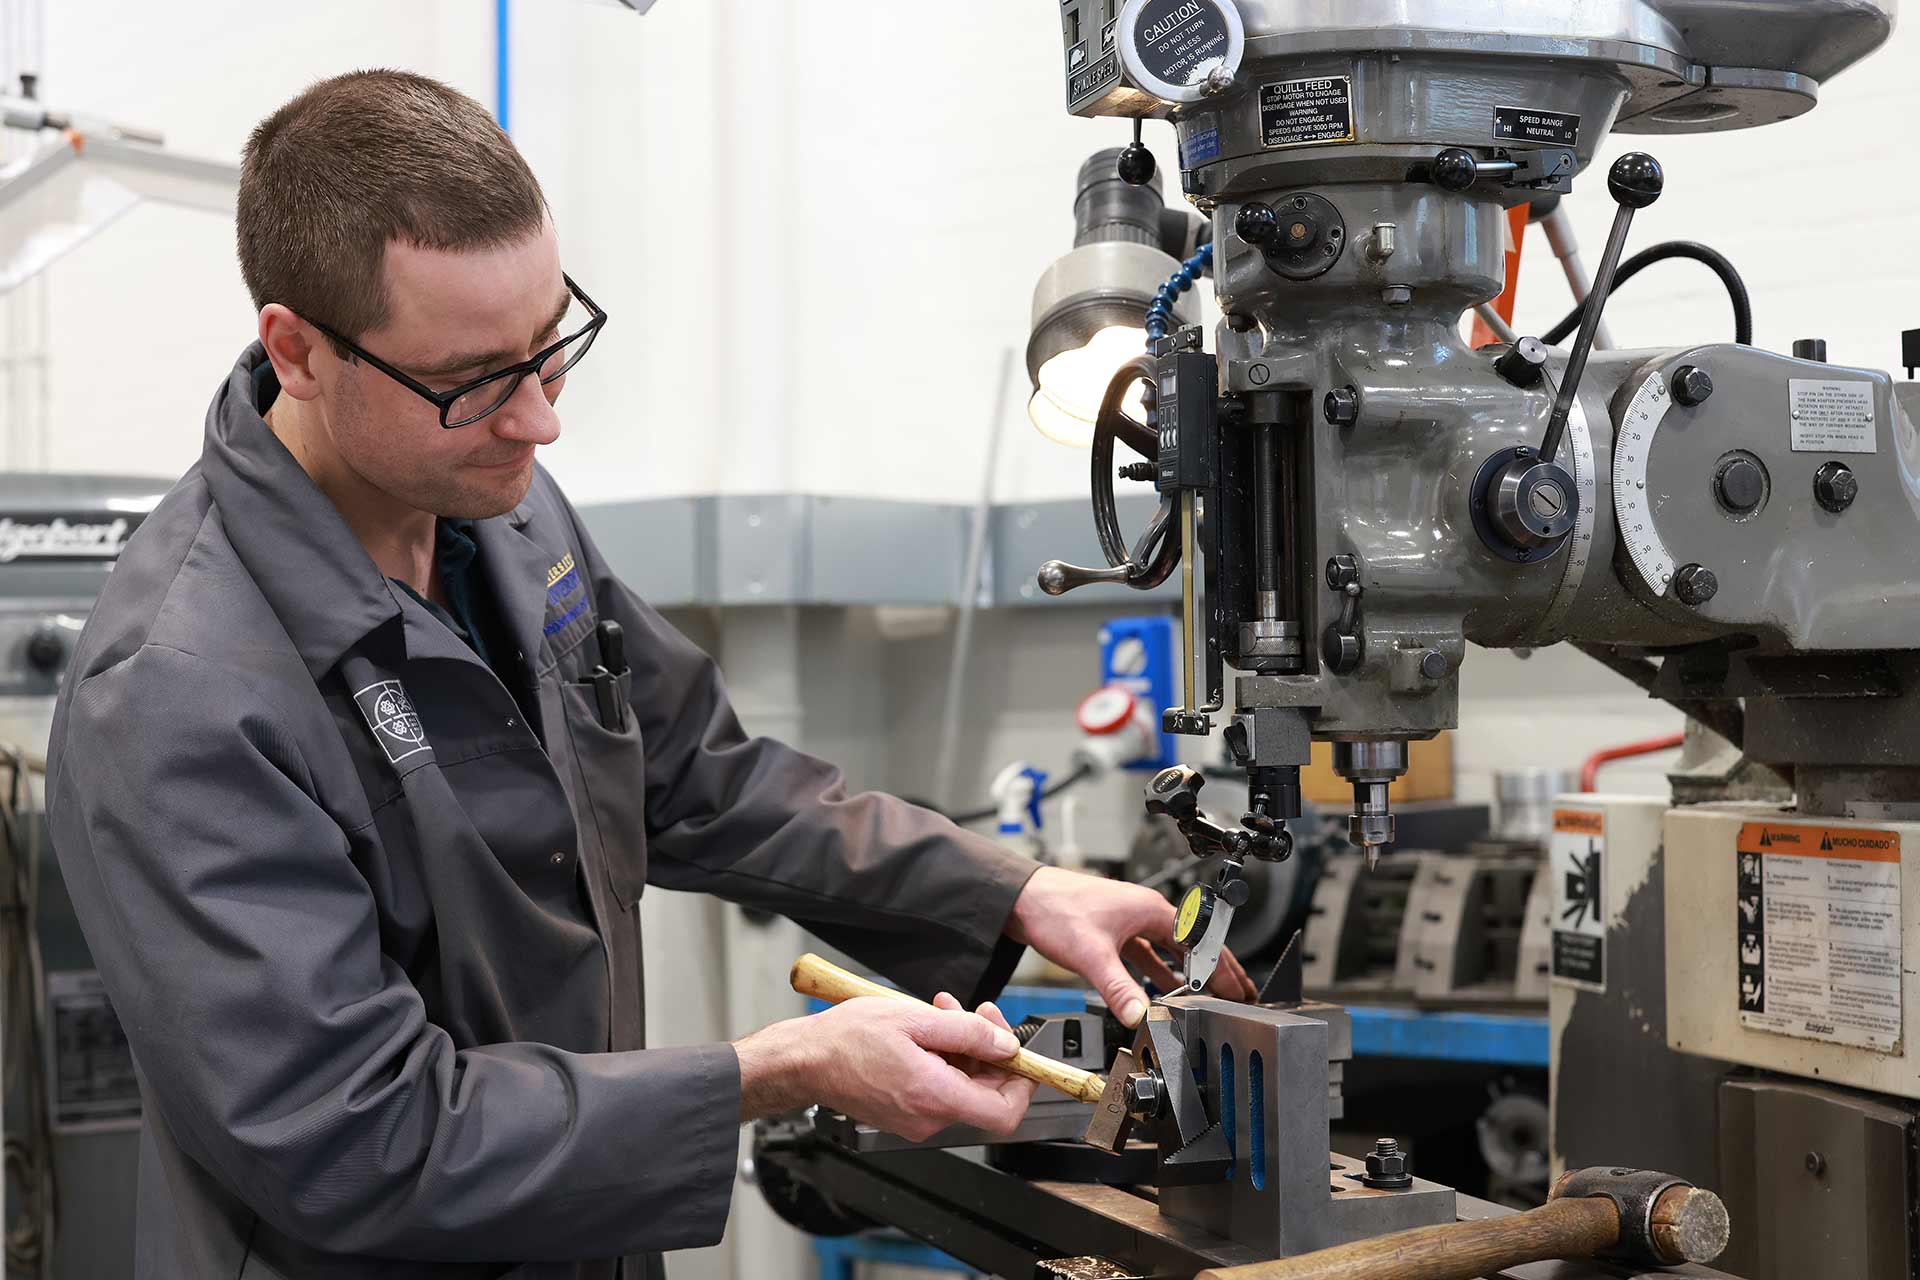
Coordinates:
(1713, 259)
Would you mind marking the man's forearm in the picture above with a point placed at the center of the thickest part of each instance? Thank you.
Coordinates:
(774, 1069)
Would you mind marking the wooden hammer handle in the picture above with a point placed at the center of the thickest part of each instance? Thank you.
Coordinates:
(1575, 1228)
(824, 980)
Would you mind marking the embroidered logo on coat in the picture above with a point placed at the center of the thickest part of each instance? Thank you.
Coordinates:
(563, 583)
(395, 724)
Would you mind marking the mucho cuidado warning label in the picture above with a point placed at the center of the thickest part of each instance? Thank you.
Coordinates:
(1819, 933)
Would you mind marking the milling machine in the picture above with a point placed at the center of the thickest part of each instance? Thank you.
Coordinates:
(1352, 493)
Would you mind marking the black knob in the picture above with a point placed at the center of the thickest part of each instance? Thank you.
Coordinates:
(1137, 471)
(46, 650)
(1255, 223)
(1236, 892)
(1741, 485)
(1136, 164)
(1636, 180)
(1694, 585)
(1524, 362)
(1810, 349)
(1340, 651)
(1342, 406)
(1455, 169)
(1691, 385)
(1835, 486)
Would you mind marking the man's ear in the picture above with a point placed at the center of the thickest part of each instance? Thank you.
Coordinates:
(293, 346)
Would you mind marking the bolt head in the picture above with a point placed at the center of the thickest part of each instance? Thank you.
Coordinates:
(1388, 1166)
(1835, 486)
(1342, 406)
(1434, 665)
(1691, 385)
(1143, 1093)
(1694, 585)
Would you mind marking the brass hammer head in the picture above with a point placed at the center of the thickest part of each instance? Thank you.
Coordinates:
(1112, 1121)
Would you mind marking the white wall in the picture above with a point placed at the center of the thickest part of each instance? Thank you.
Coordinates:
(817, 226)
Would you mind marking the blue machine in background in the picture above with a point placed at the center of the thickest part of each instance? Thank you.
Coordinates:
(1140, 654)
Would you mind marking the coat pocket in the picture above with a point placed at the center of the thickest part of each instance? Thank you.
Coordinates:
(612, 772)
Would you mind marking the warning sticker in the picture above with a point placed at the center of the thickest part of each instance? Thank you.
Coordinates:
(1579, 919)
(1546, 128)
(1819, 933)
(1831, 417)
(1302, 113)
(1181, 41)
(92, 1085)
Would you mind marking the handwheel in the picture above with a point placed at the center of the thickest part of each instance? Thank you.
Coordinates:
(1154, 556)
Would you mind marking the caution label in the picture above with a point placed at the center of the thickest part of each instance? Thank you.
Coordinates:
(1302, 113)
(1819, 933)
(1831, 417)
(1577, 864)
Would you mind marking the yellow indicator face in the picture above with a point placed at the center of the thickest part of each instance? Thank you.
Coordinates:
(1189, 923)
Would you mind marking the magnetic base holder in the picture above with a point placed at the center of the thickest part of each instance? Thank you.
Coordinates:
(1071, 1160)
(1483, 519)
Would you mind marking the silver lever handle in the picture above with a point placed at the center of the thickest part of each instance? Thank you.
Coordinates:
(1057, 577)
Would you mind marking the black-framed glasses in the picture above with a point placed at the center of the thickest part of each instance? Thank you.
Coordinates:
(466, 404)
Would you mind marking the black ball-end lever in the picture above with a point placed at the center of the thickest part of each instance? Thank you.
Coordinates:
(1526, 501)
(1635, 181)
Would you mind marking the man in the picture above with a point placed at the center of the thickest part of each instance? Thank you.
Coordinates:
(365, 758)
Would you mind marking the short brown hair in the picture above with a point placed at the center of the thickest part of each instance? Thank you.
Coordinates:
(358, 161)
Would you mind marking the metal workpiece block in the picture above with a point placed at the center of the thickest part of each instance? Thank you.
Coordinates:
(1267, 1083)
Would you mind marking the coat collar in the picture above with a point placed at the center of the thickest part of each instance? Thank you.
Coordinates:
(324, 587)
(296, 546)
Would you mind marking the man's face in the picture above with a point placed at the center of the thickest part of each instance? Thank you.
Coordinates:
(456, 316)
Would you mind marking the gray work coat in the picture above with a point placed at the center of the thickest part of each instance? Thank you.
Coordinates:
(372, 928)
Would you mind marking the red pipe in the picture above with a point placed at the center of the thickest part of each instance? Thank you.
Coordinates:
(1590, 771)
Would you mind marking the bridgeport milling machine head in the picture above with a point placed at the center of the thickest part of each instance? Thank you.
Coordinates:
(1351, 493)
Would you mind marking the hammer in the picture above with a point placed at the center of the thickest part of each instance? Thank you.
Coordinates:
(824, 980)
(1626, 1215)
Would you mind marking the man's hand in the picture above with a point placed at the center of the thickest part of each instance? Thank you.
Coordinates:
(1093, 925)
(900, 1067)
